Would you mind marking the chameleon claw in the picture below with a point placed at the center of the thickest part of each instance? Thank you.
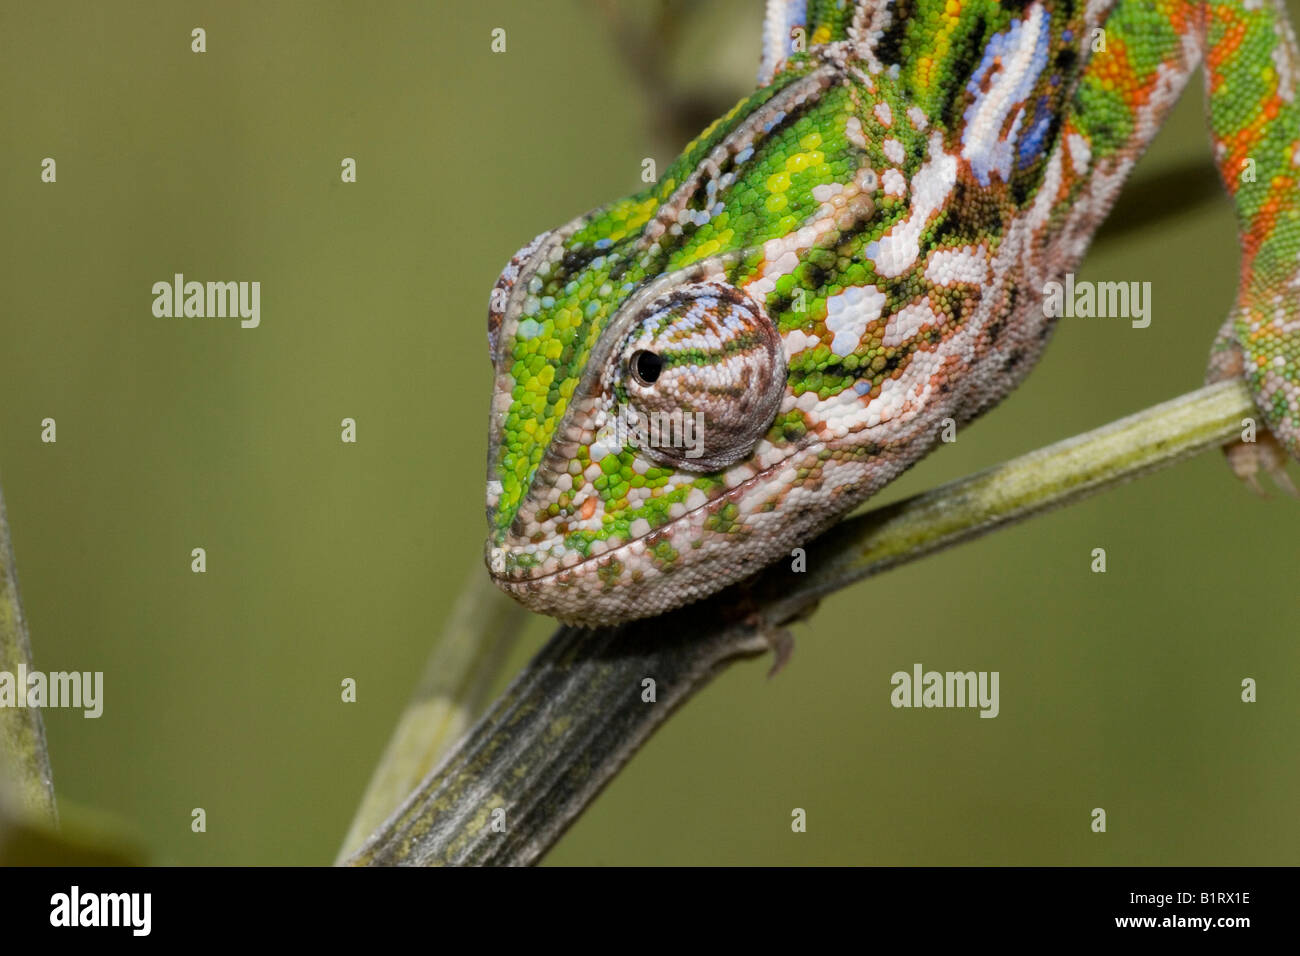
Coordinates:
(1284, 482)
(781, 642)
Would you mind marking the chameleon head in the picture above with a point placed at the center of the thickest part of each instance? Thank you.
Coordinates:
(681, 385)
(651, 439)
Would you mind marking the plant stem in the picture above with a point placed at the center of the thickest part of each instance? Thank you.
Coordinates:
(451, 695)
(579, 710)
(24, 756)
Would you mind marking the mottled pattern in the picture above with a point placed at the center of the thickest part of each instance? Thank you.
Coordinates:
(853, 254)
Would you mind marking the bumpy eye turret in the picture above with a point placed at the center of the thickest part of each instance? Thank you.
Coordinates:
(704, 372)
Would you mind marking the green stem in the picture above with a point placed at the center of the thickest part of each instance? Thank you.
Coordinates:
(451, 695)
(582, 707)
(24, 758)
(1031, 484)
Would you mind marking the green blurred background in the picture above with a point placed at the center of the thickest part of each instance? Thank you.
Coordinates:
(328, 560)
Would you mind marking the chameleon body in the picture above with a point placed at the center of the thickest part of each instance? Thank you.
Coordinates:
(853, 254)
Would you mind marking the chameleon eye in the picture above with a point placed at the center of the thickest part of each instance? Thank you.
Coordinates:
(704, 371)
(646, 366)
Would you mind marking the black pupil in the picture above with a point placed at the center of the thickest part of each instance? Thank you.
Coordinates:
(647, 366)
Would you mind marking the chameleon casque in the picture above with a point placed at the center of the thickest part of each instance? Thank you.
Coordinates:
(851, 255)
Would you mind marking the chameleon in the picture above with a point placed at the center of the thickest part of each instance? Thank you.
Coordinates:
(853, 255)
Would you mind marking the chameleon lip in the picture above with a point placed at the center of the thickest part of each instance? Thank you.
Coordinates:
(496, 555)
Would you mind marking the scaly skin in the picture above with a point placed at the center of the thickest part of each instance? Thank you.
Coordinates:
(853, 254)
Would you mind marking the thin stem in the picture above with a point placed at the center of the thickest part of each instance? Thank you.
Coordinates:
(583, 706)
(24, 756)
(451, 695)
(1057, 475)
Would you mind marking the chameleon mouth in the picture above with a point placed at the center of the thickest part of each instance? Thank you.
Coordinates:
(510, 576)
